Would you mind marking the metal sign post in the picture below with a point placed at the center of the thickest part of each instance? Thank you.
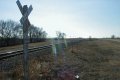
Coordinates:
(25, 11)
(54, 50)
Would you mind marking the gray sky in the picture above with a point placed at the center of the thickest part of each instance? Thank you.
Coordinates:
(76, 18)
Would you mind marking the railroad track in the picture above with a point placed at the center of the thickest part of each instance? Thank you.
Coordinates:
(20, 52)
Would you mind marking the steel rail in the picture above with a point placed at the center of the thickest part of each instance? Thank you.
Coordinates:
(20, 52)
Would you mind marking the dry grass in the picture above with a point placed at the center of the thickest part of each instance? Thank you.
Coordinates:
(96, 60)
(91, 60)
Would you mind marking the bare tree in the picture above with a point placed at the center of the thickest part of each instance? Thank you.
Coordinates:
(36, 34)
(2, 28)
(60, 35)
(113, 37)
(11, 33)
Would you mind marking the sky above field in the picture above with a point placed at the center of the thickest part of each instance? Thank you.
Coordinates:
(76, 18)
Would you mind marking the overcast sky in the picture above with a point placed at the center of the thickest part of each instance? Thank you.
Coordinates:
(76, 18)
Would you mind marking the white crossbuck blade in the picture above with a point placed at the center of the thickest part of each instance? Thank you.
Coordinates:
(20, 6)
(25, 16)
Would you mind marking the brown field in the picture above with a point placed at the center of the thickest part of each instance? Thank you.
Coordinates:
(90, 59)
(96, 60)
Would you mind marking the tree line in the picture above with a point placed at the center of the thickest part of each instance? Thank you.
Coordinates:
(11, 33)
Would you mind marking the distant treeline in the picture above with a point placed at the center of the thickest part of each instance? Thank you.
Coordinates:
(11, 33)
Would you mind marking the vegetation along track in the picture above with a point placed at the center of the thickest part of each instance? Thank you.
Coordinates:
(11, 64)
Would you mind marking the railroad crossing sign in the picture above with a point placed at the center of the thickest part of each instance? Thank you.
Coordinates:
(25, 14)
(25, 11)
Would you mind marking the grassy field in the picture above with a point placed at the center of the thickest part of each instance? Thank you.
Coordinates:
(96, 60)
(90, 59)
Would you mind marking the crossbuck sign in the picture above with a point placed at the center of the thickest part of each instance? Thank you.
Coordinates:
(25, 11)
(25, 14)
